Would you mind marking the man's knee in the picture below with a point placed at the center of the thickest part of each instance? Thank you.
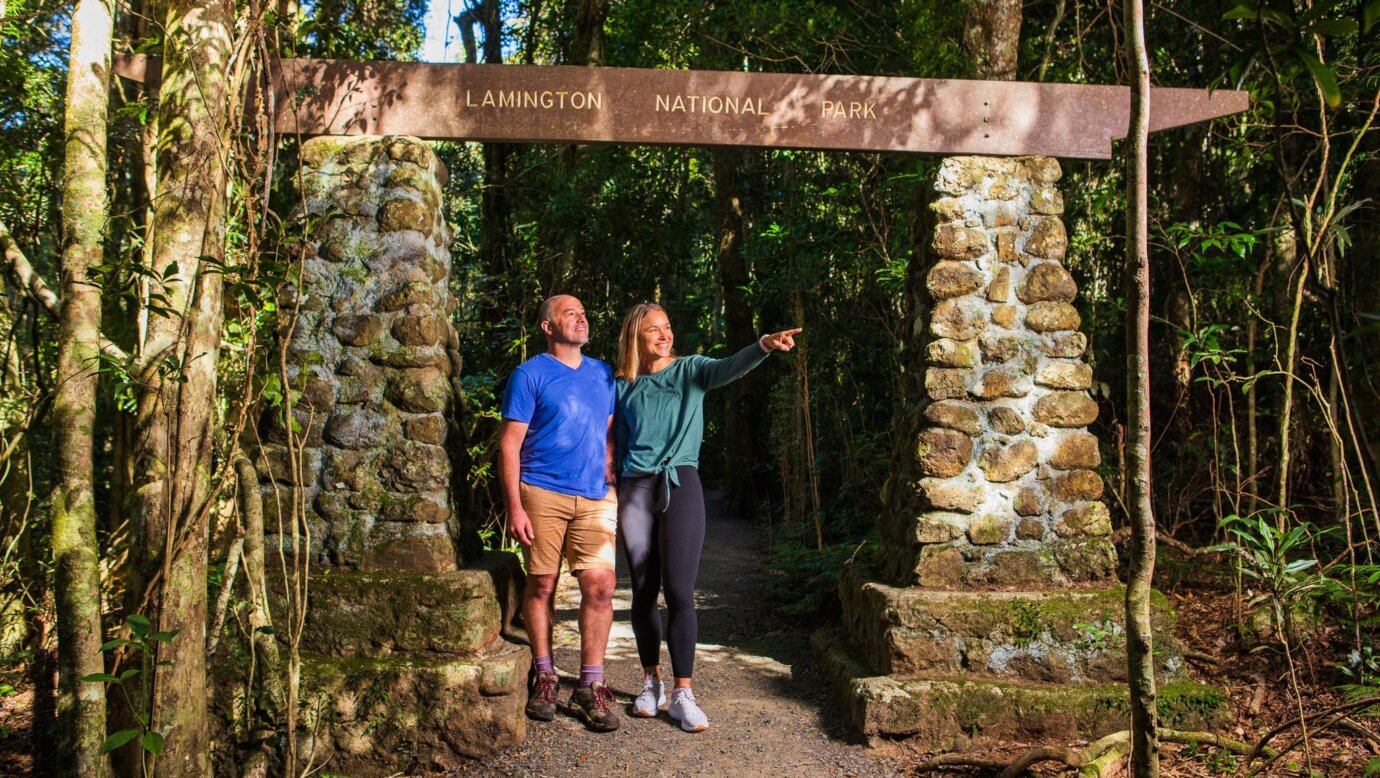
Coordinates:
(539, 588)
(596, 587)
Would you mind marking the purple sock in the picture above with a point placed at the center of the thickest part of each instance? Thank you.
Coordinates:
(544, 664)
(589, 674)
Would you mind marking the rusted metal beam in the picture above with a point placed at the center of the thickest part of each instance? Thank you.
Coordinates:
(543, 104)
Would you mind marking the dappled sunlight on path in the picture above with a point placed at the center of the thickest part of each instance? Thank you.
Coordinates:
(771, 712)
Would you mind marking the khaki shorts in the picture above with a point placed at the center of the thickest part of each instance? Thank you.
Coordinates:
(580, 530)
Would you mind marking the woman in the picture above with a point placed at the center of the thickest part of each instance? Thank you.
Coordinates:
(660, 424)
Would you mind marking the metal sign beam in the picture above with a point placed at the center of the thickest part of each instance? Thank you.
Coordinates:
(546, 104)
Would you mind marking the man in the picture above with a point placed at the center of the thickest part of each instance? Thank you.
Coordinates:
(557, 462)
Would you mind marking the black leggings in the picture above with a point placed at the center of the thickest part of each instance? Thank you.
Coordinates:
(663, 552)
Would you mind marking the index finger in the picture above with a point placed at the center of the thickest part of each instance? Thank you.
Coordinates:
(795, 331)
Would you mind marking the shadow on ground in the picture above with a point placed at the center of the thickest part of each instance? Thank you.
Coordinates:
(770, 708)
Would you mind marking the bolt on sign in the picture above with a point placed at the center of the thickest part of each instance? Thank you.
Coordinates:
(557, 104)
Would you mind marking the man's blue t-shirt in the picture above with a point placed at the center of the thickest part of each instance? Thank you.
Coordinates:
(567, 412)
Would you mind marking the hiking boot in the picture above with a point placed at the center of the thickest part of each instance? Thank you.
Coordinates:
(684, 710)
(541, 695)
(594, 705)
(653, 696)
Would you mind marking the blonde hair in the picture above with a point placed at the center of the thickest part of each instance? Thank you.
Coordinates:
(629, 344)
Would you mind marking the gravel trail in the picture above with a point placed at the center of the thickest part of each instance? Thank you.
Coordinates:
(770, 709)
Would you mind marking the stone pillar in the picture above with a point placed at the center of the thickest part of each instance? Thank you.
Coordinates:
(405, 665)
(369, 352)
(992, 610)
(996, 487)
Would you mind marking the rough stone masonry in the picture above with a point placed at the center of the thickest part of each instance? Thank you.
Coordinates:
(370, 352)
(991, 610)
(999, 488)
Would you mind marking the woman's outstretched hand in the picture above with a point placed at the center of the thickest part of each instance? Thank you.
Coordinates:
(780, 341)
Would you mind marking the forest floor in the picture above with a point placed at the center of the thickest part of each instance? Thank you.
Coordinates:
(16, 718)
(773, 713)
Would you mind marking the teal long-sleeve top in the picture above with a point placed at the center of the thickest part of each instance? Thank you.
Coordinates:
(660, 417)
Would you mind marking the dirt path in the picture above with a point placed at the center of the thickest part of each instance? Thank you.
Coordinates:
(770, 709)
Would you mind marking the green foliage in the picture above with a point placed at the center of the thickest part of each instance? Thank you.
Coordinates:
(6, 690)
(1098, 634)
(1276, 557)
(1362, 671)
(805, 579)
(1280, 563)
(141, 647)
(362, 29)
(1283, 21)
(32, 83)
(1211, 761)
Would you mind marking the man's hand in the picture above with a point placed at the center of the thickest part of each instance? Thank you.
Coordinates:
(520, 526)
(610, 474)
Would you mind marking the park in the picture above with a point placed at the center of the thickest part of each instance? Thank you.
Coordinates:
(1068, 473)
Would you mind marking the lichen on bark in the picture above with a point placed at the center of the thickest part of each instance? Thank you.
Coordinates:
(81, 704)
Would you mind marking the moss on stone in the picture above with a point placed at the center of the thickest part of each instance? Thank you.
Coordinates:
(410, 175)
(383, 715)
(942, 711)
(317, 151)
(354, 272)
(410, 546)
(1039, 636)
(1025, 622)
(1085, 559)
(356, 536)
(1188, 704)
(410, 356)
(402, 614)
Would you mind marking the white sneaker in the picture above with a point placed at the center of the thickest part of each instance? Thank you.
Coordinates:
(653, 696)
(684, 710)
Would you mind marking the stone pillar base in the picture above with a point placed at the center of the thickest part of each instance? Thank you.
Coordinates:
(410, 672)
(950, 668)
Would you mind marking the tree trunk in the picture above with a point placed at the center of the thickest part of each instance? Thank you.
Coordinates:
(268, 665)
(176, 413)
(142, 15)
(586, 48)
(76, 558)
(746, 442)
(992, 36)
(1252, 415)
(1139, 655)
(494, 220)
(495, 211)
(1286, 403)
(588, 45)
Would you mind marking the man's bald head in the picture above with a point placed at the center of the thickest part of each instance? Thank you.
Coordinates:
(548, 306)
(562, 319)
